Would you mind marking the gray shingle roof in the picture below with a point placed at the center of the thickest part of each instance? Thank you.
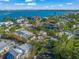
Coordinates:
(25, 47)
(3, 44)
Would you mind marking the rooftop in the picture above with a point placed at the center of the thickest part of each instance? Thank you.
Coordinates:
(3, 44)
(25, 47)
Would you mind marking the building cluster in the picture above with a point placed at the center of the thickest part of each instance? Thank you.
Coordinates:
(11, 50)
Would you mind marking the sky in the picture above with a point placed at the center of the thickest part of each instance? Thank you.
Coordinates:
(39, 4)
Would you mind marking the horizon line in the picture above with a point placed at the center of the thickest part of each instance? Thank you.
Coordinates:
(39, 9)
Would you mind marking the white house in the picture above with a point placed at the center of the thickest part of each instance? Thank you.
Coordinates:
(54, 38)
(26, 48)
(43, 33)
(67, 32)
(76, 25)
(22, 20)
(8, 23)
(16, 53)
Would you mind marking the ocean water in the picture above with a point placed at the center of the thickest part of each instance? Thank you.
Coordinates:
(30, 13)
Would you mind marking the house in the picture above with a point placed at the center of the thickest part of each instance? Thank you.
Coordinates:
(76, 33)
(5, 45)
(14, 53)
(70, 19)
(67, 32)
(35, 18)
(8, 23)
(28, 25)
(40, 38)
(23, 22)
(76, 25)
(20, 20)
(45, 55)
(42, 23)
(18, 52)
(54, 38)
(0, 36)
(42, 33)
(50, 26)
(24, 34)
(26, 49)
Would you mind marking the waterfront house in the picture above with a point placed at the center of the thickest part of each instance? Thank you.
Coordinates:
(23, 22)
(8, 23)
(35, 18)
(20, 21)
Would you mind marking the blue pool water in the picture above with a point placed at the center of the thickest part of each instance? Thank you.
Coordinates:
(8, 56)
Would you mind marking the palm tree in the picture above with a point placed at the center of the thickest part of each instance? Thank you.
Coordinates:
(64, 47)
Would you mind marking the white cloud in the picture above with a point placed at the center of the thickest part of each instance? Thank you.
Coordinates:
(35, 6)
(28, 0)
(31, 4)
(69, 3)
(4, 0)
(19, 3)
(15, 7)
